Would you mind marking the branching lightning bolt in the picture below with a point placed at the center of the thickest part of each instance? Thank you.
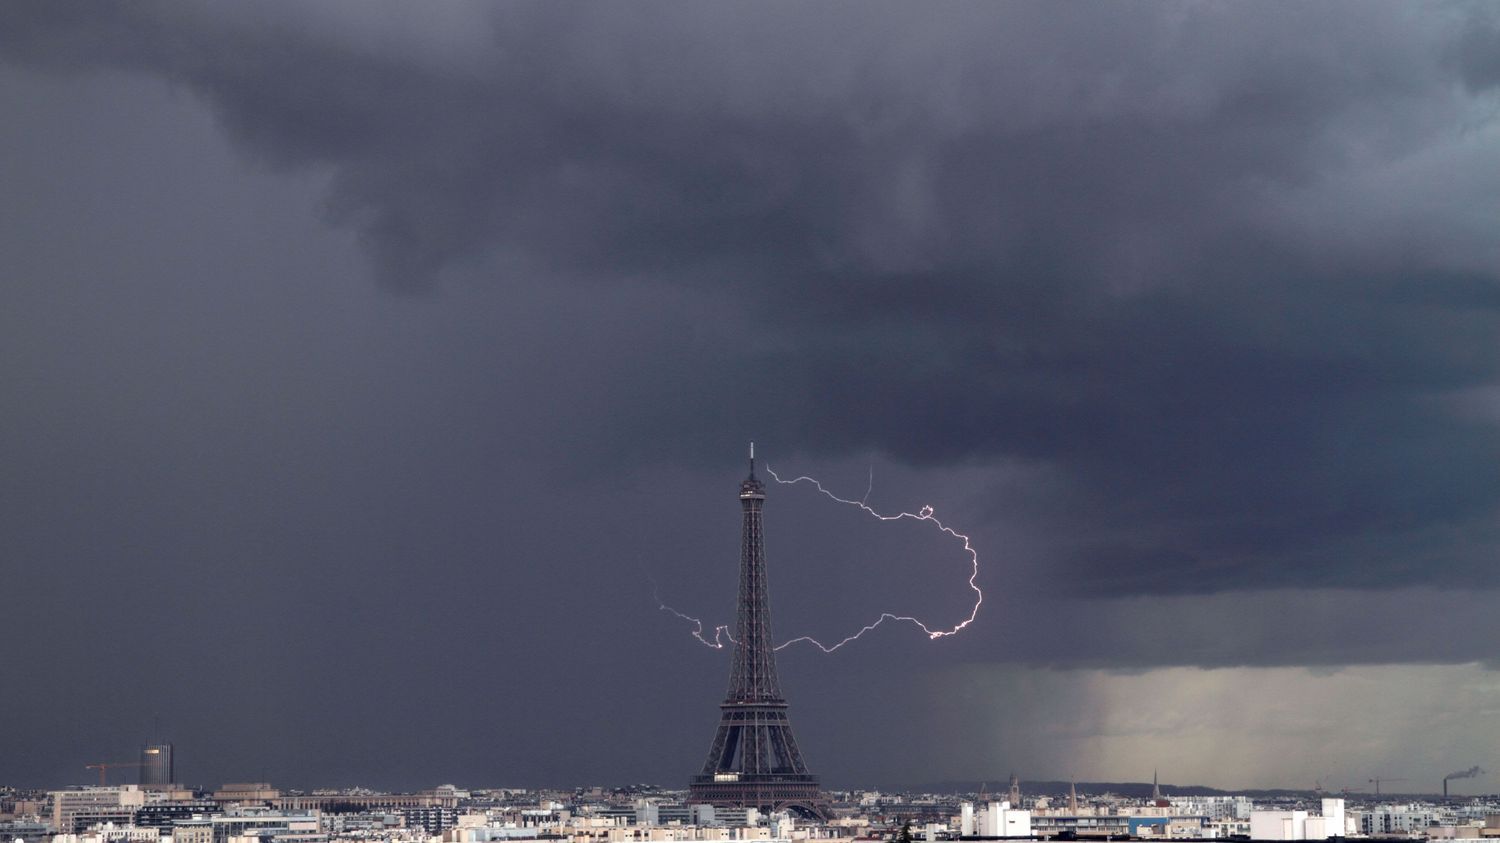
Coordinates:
(923, 514)
(721, 631)
(926, 513)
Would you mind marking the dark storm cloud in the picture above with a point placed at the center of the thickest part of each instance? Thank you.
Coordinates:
(1224, 272)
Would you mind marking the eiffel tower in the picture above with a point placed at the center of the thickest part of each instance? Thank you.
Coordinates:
(754, 761)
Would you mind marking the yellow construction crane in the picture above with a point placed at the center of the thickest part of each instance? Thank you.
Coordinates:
(103, 767)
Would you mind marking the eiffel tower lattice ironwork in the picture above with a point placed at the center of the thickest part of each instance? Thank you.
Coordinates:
(754, 761)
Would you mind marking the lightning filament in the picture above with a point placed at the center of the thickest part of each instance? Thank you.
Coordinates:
(721, 633)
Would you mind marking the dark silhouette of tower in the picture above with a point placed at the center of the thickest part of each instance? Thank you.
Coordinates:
(156, 765)
(754, 761)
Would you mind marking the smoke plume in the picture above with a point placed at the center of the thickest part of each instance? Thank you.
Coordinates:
(1465, 774)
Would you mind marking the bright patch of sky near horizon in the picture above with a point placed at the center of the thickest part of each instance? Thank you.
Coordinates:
(1232, 728)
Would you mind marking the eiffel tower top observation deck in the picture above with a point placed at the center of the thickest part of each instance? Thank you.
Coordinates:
(754, 761)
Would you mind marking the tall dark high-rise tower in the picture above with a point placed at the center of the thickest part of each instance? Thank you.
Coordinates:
(754, 761)
(156, 765)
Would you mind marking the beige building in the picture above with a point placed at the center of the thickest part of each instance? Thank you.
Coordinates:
(76, 810)
(365, 801)
(193, 831)
(246, 793)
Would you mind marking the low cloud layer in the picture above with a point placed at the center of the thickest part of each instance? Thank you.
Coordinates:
(1233, 284)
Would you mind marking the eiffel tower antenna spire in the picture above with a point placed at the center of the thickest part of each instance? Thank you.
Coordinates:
(754, 761)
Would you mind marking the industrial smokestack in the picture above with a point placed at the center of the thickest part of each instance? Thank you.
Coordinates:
(1461, 774)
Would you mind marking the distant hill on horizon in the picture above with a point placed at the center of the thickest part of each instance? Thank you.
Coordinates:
(1135, 790)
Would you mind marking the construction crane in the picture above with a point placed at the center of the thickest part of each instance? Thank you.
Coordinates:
(1377, 781)
(103, 767)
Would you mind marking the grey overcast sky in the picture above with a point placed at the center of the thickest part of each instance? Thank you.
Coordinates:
(364, 364)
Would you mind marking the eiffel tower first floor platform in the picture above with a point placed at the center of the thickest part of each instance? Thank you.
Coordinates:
(754, 761)
(766, 792)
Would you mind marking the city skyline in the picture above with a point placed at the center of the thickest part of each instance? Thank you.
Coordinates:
(646, 814)
(370, 376)
(1461, 786)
